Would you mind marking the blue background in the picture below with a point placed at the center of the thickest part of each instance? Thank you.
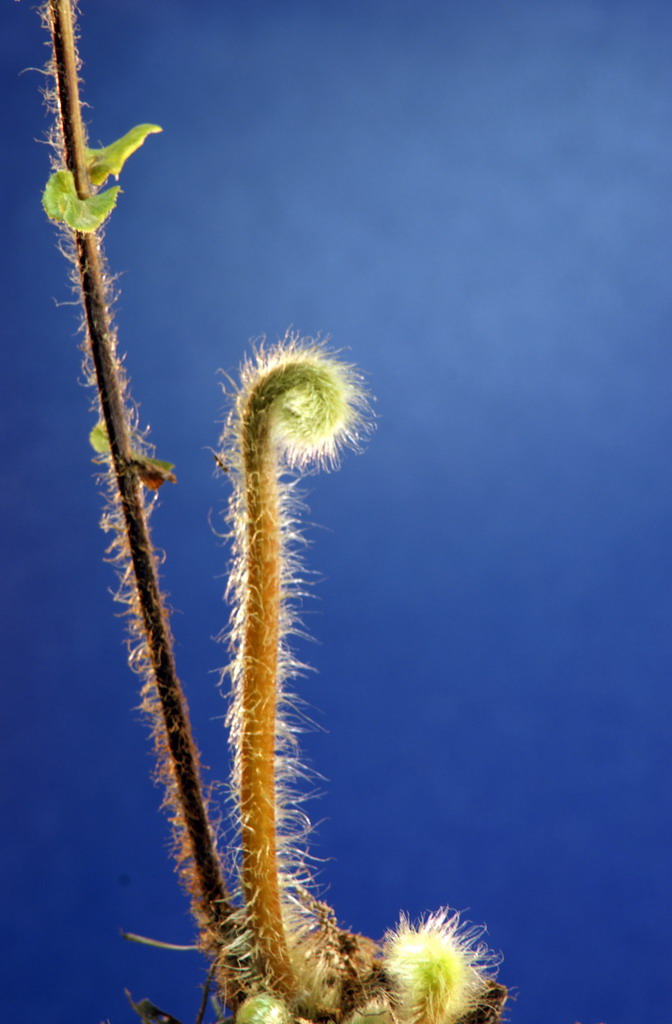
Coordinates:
(475, 199)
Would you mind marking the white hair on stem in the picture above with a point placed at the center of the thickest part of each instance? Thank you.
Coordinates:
(296, 407)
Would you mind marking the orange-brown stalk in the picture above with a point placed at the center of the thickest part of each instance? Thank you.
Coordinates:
(295, 407)
(259, 699)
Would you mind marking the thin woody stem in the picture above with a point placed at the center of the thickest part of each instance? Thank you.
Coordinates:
(211, 901)
(259, 699)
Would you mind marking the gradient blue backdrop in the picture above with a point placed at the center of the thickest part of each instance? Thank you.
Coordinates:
(475, 199)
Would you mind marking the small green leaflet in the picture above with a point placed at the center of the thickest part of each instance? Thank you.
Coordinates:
(61, 202)
(165, 467)
(110, 159)
(99, 440)
(60, 199)
(152, 472)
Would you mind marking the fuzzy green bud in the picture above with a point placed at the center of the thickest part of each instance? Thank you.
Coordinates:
(263, 1009)
(311, 402)
(439, 969)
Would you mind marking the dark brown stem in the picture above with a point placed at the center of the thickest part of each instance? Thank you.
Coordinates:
(212, 905)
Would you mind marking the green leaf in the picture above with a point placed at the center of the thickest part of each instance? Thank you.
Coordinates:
(153, 472)
(99, 440)
(160, 464)
(110, 159)
(61, 202)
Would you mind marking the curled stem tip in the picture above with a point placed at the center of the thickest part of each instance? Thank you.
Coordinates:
(310, 403)
(296, 405)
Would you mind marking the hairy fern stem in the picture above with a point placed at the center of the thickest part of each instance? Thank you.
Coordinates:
(296, 405)
(259, 698)
(164, 698)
